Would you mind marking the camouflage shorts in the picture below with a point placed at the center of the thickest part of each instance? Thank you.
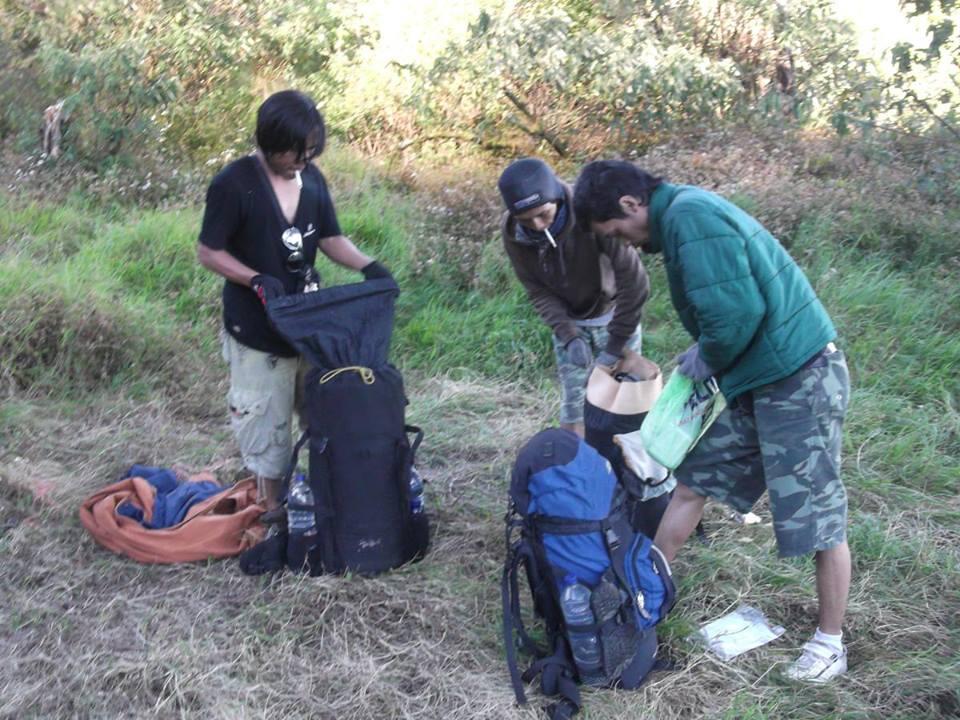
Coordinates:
(573, 379)
(789, 444)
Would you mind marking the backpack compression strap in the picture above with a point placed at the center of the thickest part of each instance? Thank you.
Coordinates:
(617, 534)
(557, 678)
(292, 465)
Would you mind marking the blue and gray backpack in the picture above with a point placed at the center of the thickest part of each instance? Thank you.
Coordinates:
(599, 587)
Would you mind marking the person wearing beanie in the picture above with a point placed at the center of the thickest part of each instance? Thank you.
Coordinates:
(589, 290)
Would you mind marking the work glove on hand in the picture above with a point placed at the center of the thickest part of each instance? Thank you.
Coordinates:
(376, 271)
(608, 359)
(267, 287)
(690, 364)
(578, 352)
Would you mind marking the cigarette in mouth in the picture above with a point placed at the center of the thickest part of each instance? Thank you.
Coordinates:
(550, 237)
(299, 181)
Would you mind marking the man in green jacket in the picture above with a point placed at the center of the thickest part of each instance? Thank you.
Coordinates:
(762, 332)
(590, 291)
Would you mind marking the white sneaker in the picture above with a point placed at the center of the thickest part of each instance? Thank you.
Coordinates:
(819, 663)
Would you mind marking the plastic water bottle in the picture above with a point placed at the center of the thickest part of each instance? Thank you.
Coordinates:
(416, 492)
(575, 603)
(301, 522)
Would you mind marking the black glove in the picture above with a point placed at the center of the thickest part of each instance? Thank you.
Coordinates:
(267, 287)
(578, 352)
(690, 364)
(376, 271)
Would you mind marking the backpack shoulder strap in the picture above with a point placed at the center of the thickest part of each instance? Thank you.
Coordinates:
(294, 457)
(418, 436)
(518, 553)
(511, 618)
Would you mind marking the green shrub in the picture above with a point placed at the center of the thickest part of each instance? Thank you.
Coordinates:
(45, 234)
(186, 78)
(62, 332)
(155, 258)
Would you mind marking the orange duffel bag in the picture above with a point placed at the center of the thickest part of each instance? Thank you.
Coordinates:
(223, 525)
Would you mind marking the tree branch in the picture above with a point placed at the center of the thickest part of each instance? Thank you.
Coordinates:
(926, 106)
(539, 131)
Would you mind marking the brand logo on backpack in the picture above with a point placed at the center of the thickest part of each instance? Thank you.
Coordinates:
(599, 586)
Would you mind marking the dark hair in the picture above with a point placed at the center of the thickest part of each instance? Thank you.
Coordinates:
(286, 120)
(601, 184)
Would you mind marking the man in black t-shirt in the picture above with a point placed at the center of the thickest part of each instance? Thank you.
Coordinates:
(266, 216)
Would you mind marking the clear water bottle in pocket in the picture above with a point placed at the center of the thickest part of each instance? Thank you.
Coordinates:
(416, 491)
(301, 518)
(585, 645)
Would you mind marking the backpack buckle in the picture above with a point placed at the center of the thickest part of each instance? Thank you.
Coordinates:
(613, 540)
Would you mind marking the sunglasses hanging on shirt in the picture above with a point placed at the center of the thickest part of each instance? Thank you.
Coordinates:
(293, 241)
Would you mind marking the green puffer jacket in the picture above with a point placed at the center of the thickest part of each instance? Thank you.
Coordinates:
(737, 291)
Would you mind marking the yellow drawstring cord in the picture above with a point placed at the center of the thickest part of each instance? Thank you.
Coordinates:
(366, 374)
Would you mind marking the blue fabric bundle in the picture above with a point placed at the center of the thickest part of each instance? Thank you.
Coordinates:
(173, 499)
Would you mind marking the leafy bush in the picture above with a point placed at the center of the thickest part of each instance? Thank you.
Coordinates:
(924, 90)
(140, 77)
(582, 78)
(147, 79)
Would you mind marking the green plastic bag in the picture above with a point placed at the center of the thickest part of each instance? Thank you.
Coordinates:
(682, 414)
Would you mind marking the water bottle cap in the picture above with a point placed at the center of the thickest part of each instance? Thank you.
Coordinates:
(570, 579)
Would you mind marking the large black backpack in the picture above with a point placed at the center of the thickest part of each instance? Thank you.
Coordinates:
(361, 451)
(571, 514)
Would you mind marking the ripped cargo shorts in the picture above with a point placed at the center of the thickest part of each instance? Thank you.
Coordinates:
(264, 391)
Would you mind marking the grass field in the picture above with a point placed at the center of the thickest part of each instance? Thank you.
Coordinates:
(108, 356)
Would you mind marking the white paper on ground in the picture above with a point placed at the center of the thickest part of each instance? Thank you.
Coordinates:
(735, 633)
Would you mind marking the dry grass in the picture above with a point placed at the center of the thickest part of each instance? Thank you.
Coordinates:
(88, 634)
(91, 634)
(896, 195)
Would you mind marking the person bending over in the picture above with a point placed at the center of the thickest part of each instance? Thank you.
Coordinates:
(760, 329)
(587, 288)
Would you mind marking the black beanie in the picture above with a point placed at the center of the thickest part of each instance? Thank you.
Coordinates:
(527, 183)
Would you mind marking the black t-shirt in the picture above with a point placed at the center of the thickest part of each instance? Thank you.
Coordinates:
(242, 216)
